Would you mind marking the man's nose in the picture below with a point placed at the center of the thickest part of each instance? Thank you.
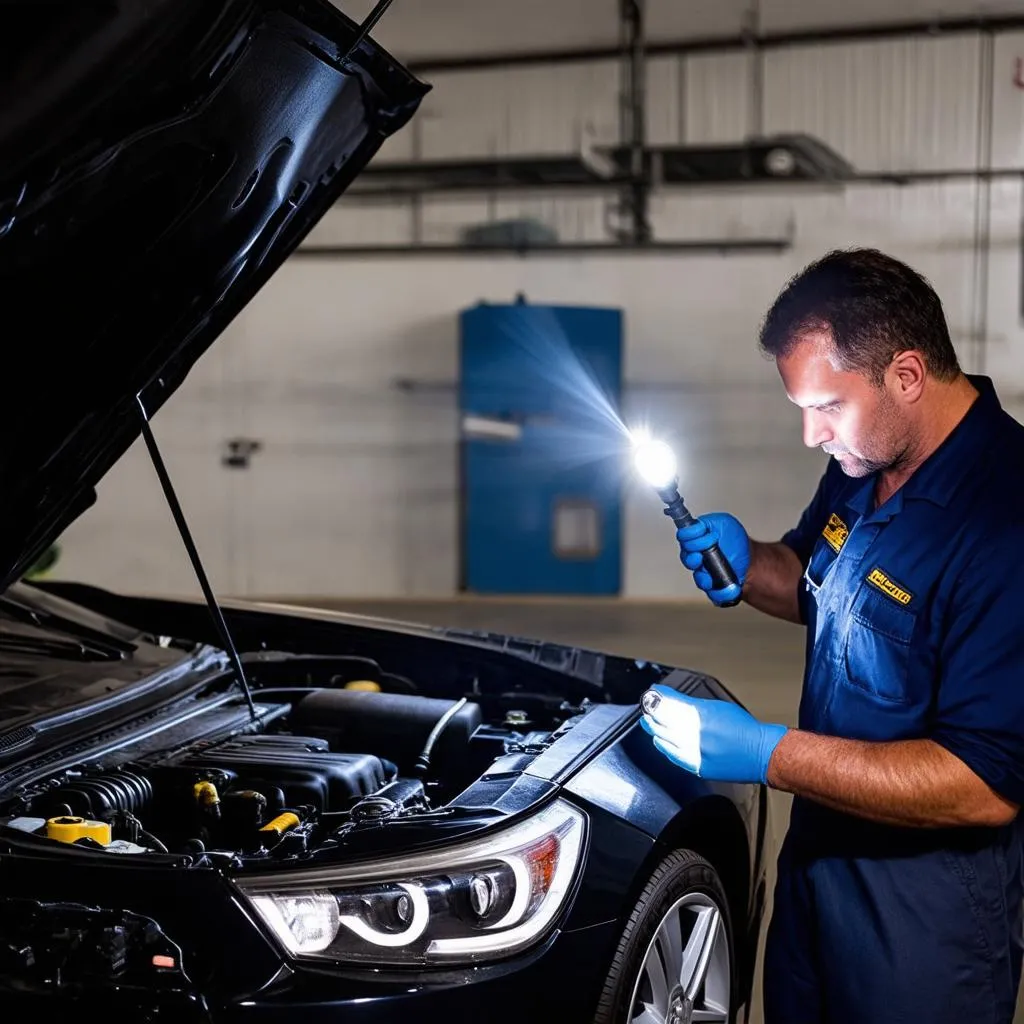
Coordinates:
(816, 430)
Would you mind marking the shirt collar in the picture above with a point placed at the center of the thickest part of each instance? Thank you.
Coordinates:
(939, 476)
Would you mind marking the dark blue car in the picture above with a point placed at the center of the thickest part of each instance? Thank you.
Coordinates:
(220, 812)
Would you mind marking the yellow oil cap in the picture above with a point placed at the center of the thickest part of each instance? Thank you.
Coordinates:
(206, 794)
(363, 684)
(281, 823)
(69, 829)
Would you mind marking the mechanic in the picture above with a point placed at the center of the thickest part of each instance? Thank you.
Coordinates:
(899, 891)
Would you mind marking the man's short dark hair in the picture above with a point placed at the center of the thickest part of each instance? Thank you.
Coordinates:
(874, 306)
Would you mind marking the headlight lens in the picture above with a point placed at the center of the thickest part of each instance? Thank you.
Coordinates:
(478, 901)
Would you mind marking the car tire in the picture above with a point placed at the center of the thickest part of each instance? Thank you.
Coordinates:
(680, 926)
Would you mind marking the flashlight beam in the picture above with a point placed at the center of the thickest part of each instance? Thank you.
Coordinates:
(655, 462)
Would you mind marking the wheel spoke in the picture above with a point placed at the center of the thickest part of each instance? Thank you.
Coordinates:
(670, 945)
(698, 951)
(660, 985)
(649, 1016)
(712, 1016)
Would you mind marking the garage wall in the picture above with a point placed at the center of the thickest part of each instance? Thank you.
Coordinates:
(344, 369)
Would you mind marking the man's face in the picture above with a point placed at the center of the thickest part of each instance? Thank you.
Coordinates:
(844, 412)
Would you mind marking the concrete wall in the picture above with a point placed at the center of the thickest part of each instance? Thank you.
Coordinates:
(353, 492)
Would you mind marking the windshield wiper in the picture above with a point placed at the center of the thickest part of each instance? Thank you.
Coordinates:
(56, 647)
(96, 639)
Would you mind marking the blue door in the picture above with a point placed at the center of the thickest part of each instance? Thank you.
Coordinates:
(541, 466)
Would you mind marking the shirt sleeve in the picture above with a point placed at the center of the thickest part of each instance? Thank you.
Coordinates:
(805, 534)
(980, 702)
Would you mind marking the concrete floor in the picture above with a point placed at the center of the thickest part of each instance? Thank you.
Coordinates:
(759, 659)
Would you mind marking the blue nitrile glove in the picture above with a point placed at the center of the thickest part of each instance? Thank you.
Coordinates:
(714, 739)
(733, 541)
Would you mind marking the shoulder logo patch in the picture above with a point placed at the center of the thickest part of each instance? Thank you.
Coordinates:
(878, 579)
(835, 533)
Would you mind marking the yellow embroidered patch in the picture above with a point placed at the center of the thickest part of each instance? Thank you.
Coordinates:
(878, 578)
(835, 532)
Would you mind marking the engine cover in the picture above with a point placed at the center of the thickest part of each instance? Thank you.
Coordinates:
(285, 771)
(288, 770)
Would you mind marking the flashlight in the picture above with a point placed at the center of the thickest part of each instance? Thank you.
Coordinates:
(649, 701)
(656, 463)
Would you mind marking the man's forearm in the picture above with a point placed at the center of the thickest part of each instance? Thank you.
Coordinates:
(772, 580)
(910, 782)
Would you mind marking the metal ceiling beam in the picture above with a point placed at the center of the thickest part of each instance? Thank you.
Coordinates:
(630, 168)
(681, 47)
(393, 193)
(652, 248)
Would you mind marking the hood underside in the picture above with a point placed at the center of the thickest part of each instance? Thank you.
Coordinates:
(158, 162)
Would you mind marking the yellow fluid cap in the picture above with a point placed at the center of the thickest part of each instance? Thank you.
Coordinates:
(281, 823)
(206, 793)
(363, 684)
(69, 829)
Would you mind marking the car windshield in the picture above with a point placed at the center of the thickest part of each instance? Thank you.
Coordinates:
(54, 655)
(26, 626)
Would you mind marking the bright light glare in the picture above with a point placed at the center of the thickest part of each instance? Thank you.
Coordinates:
(677, 724)
(655, 462)
(683, 731)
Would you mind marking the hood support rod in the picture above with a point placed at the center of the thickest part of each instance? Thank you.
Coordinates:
(367, 26)
(193, 554)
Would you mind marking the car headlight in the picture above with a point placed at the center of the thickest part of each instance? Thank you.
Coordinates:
(480, 900)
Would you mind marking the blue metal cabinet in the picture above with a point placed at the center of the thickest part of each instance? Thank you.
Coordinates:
(541, 450)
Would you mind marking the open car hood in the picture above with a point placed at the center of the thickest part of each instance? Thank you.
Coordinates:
(158, 162)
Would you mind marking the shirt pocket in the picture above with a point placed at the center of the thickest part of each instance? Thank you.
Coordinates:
(878, 645)
(822, 559)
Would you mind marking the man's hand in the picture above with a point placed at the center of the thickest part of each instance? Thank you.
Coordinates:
(714, 739)
(727, 532)
(767, 574)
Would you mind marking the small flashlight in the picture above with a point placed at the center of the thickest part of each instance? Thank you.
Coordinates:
(649, 701)
(656, 463)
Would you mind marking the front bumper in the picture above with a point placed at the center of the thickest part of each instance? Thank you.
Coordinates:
(559, 981)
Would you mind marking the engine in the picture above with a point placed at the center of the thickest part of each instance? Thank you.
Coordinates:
(327, 761)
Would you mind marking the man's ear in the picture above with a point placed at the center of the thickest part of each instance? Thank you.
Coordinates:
(906, 374)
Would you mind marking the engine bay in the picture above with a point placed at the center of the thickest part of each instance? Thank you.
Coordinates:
(321, 760)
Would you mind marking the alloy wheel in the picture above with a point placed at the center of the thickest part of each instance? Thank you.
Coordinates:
(685, 974)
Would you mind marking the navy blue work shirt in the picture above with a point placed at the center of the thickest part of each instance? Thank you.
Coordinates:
(915, 629)
(915, 610)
